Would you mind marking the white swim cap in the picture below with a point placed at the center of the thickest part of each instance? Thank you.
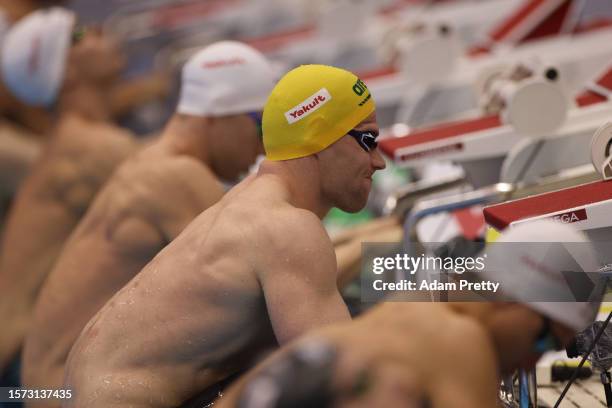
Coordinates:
(225, 78)
(34, 55)
(536, 259)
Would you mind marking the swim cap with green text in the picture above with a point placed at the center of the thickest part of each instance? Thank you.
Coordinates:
(312, 107)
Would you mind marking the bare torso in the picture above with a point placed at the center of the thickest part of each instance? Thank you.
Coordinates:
(58, 190)
(146, 203)
(195, 314)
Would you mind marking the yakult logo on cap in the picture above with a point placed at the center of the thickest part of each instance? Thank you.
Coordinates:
(305, 108)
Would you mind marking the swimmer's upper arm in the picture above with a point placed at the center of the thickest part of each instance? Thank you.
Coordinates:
(298, 276)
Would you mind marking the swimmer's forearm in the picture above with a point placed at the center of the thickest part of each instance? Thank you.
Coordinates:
(363, 230)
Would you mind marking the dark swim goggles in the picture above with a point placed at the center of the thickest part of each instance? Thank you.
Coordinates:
(366, 139)
(78, 33)
(256, 116)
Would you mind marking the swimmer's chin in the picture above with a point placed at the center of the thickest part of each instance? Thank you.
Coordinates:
(352, 209)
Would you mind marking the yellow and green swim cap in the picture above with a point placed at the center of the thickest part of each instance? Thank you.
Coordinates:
(310, 108)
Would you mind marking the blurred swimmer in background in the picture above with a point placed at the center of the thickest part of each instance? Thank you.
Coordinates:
(48, 61)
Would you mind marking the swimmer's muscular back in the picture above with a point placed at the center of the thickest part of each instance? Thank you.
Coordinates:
(202, 308)
(78, 160)
(146, 203)
(151, 199)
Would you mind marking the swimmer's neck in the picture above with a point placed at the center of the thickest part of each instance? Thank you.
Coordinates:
(301, 186)
(87, 101)
(187, 135)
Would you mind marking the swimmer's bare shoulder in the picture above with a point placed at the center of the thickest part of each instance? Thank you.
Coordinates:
(295, 263)
(294, 230)
(75, 132)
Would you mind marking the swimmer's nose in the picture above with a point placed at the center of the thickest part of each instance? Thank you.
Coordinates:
(378, 163)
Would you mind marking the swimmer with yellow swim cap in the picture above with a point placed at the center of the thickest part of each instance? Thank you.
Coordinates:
(255, 270)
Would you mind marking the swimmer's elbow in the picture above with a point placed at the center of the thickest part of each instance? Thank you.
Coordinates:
(309, 318)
